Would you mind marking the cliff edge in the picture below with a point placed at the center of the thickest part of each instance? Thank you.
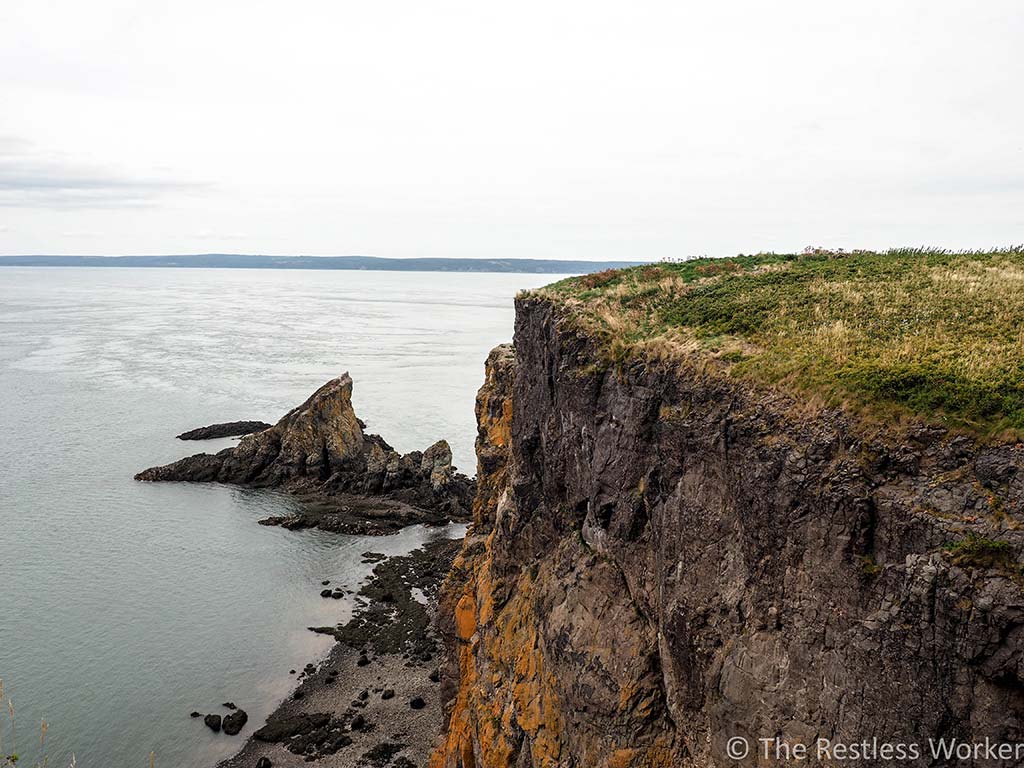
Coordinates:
(707, 510)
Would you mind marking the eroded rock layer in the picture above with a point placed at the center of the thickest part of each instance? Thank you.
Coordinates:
(320, 449)
(662, 559)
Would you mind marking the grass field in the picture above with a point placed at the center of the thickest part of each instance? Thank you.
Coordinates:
(930, 334)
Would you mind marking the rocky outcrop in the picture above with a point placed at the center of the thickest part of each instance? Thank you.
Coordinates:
(320, 450)
(663, 559)
(234, 722)
(227, 429)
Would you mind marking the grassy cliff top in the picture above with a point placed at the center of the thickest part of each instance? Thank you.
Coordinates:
(926, 334)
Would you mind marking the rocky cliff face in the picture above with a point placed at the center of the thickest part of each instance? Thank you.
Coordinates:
(662, 559)
(320, 449)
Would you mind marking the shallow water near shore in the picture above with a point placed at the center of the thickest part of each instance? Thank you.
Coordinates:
(123, 605)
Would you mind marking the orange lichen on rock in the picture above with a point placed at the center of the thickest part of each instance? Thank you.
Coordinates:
(507, 708)
(465, 617)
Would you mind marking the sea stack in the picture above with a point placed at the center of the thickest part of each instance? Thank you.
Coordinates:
(321, 451)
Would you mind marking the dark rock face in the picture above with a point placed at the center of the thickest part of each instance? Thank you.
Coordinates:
(234, 722)
(320, 450)
(212, 722)
(227, 429)
(662, 559)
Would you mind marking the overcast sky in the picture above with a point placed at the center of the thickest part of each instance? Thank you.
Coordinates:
(548, 129)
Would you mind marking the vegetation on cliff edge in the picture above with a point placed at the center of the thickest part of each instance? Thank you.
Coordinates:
(931, 334)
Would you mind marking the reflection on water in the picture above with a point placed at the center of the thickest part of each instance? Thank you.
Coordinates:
(124, 606)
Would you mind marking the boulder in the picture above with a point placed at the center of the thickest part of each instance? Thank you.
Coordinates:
(234, 722)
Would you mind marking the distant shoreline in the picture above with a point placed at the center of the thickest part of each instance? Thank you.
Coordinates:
(368, 263)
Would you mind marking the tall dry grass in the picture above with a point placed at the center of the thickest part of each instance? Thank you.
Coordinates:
(918, 333)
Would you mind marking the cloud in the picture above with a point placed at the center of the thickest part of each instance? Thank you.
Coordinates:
(208, 235)
(31, 178)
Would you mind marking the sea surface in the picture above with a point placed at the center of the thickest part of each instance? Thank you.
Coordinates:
(124, 606)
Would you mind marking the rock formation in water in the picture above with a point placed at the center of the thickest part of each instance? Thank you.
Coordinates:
(662, 558)
(321, 451)
(227, 429)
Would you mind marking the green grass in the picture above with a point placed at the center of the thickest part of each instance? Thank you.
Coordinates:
(934, 335)
(978, 552)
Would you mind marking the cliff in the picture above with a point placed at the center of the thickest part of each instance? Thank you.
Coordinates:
(667, 552)
(319, 450)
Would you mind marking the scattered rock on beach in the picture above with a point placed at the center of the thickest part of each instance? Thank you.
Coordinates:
(282, 727)
(196, 714)
(264, 762)
(325, 593)
(360, 716)
(381, 754)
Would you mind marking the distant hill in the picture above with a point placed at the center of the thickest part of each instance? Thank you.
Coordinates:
(242, 261)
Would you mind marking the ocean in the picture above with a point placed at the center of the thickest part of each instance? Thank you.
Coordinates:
(124, 606)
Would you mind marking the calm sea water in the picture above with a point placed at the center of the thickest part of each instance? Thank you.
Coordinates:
(124, 606)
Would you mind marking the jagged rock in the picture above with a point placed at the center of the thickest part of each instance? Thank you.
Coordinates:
(227, 429)
(320, 450)
(264, 762)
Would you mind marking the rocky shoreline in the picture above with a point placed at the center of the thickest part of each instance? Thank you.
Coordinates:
(375, 699)
(355, 515)
(349, 480)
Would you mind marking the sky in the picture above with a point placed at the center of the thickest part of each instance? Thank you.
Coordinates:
(556, 129)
